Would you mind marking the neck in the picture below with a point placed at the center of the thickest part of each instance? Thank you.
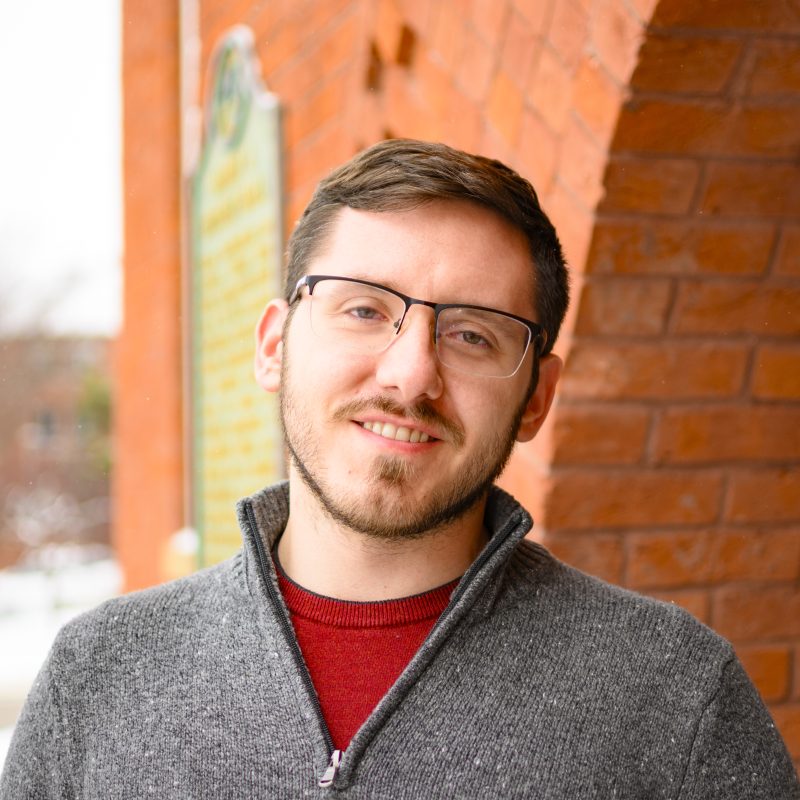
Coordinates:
(326, 557)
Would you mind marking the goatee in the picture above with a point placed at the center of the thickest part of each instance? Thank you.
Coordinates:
(383, 505)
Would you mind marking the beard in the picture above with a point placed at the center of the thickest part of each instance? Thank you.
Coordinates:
(385, 506)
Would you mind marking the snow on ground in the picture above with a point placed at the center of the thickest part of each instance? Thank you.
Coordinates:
(35, 602)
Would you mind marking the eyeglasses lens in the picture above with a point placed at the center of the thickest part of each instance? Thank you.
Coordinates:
(364, 319)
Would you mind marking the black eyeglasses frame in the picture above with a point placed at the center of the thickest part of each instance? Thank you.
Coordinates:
(537, 332)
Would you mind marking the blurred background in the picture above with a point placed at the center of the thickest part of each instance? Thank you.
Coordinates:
(60, 308)
(154, 158)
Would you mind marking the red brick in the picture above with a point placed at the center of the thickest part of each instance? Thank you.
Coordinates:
(730, 308)
(583, 499)
(573, 221)
(755, 189)
(594, 553)
(658, 247)
(759, 612)
(596, 99)
(296, 80)
(319, 154)
(614, 306)
(281, 48)
(338, 45)
(387, 29)
(419, 14)
(582, 170)
(769, 667)
(504, 107)
(599, 434)
(315, 16)
(672, 369)
(776, 373)
(550, 92)
(685, 64)
(696, 601)
(475, 66)
(664, 186)
(711, 128)
(690, 558)
(616, 36)
(738, 251)
(778, 15)
(434, 85)
(706, 434)
(519, 49)
(149, 348)
(537, 14)
(796, 678)
(488, 17)
(764, 495)
(568, 32)
(403, 107)
(463, 122)
(538, 150)
(495, 146)
(448, 34)
(773, 68)
(316, 109)
(788, 261)
(787, 720)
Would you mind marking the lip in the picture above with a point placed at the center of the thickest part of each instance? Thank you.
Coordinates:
(396, 446)
(399, 422)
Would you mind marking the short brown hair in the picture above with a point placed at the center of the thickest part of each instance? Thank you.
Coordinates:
(401, 174)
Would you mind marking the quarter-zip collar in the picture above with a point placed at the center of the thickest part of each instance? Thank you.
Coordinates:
(263, 517)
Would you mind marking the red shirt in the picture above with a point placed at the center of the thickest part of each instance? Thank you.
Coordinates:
(356, 651)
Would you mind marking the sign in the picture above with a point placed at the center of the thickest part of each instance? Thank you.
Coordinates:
(235, 256)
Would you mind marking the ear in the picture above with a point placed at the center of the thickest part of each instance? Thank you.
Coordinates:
(539, 405)
(269, 345)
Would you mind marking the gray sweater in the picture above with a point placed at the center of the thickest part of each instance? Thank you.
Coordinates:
(537, 681)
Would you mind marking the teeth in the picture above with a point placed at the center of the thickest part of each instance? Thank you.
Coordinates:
(399, 434)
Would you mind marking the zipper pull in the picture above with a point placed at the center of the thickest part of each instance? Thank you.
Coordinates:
(333, 767)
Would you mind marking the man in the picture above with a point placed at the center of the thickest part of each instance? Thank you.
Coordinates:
(386, 631)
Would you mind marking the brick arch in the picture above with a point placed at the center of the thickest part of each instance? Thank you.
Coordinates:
(683, 353)
(672, 463)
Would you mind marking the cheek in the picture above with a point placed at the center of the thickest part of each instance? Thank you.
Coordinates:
(493, 407)
(328, 377)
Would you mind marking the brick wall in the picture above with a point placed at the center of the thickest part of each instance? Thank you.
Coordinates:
(662, 138)
(676, 443)
(147, 481)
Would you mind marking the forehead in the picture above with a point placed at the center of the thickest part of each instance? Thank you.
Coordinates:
(444, 251)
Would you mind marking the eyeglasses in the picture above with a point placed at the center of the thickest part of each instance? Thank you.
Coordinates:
(364, 317)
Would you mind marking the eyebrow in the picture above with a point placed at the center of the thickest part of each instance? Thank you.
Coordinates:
(390, 284)
(387, 284)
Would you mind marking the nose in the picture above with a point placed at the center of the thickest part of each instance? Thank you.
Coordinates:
(409, 368)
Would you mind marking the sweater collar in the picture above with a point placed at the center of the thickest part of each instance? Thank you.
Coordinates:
(505, 520)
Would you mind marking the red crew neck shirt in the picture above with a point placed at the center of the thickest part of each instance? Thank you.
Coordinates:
(356, 651)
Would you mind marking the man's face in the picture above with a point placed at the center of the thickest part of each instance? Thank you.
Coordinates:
(341, 411)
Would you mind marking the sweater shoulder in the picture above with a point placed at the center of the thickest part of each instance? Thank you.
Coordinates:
(609, 621)
(154, 618)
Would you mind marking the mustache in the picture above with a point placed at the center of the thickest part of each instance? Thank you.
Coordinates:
(419, 412)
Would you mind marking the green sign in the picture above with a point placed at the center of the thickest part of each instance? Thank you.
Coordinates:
(236, 248)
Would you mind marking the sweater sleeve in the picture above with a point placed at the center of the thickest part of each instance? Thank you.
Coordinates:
(34, 765)
(737, 751)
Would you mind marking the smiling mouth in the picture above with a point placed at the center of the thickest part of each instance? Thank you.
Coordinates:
(398, 433)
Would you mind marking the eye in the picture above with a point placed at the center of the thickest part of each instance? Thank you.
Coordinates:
(472, 338)
(365, 310)
(467, 338)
